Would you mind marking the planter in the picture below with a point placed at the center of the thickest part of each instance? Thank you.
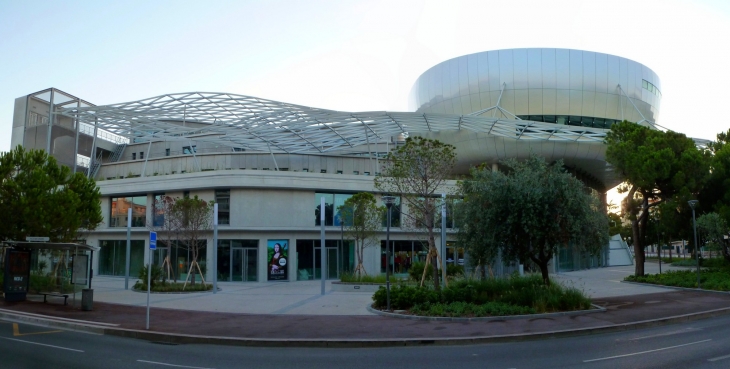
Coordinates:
(356, 286)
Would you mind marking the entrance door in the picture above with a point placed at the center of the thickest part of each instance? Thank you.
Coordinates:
(243, 265)
(332, 269)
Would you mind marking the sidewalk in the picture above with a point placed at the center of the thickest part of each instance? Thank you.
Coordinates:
(296, 311)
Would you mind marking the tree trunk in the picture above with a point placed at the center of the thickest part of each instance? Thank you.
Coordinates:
(544, 271)
(435, 260)
(638, 250)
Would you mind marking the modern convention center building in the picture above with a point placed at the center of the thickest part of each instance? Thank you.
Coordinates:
(268, 163)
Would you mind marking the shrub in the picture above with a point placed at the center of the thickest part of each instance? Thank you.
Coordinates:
(156, 276)
(415, 272)
(173, 287)
(528, 292)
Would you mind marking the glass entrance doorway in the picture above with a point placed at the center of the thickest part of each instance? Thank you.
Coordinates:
(331, 257)
(238, 260)
(243, 265)
(309, 259)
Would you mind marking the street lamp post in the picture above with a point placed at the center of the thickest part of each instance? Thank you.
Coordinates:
(693, 204)
(388, 200)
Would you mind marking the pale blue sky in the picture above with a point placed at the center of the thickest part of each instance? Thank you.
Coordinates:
(346, 55)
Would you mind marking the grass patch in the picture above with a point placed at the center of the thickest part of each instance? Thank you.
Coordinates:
(491, 297)
(173, 287)
(353, 278)
(717, 279)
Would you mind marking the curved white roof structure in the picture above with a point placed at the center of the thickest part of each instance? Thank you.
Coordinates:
(264, 125)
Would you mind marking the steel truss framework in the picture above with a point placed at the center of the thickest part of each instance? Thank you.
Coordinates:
(256, 124)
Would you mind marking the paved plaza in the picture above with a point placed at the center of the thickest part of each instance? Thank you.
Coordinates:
(304, 297)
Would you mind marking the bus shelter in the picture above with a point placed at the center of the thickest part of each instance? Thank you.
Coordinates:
(47, 268)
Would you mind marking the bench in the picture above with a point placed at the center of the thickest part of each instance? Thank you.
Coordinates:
(54, 294)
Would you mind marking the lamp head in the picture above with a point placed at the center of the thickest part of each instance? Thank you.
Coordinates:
(692, 203)
(389, 201)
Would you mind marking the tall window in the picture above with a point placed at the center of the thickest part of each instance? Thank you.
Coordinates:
(118, 216)
(223, 199)
(158, 210)
(332, 203)
(113, 257)
(394, 214)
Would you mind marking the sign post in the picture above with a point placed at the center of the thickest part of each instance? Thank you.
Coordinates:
(153, 247)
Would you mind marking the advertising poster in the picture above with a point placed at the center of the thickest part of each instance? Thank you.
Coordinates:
(278, 255)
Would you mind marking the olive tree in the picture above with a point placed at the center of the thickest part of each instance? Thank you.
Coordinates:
(529, 212)
(418, 171)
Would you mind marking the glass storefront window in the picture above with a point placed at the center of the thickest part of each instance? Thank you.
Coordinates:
(119, 206)
(113, 257)
(403, 255)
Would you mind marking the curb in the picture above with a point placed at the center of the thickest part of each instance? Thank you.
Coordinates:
(596, 309)
(677, 288)
(172, 338)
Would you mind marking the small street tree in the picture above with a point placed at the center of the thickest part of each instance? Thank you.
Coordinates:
(418, 171)
(195, 218)
(529, 212)
(658, 167)
(168, 226)
(715, 229)
(361, 217)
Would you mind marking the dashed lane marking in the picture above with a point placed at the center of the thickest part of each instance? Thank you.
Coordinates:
(40, 344)
(173, 365)
(645, 352)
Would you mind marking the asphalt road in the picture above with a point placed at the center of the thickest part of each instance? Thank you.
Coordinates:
(698, 344)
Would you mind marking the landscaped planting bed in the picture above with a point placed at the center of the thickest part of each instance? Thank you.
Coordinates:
(491, 297)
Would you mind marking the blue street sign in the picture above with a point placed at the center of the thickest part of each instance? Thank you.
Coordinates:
(153, 240)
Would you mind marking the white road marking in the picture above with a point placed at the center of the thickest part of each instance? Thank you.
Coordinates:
(645, 352)
(687, 330)
(177, 366)
(42, 344)
(719, 358)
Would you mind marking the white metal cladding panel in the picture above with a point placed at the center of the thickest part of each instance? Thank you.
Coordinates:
(508, 100)
(563, 101)
(473, 73)
(521, 102)
(519, 72)
(535, 101)
(576, 102)
(534, 68)
(476, 102)
(506, 68)
(613, 66)
(589, 71)
(599, 109)
(576, 70)
(549, 101)
(494, 73)
(483, 72)
(601, 73)
(589, 103)
(463, 66)
(549, 72)
(562, 64)
(454, 77)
